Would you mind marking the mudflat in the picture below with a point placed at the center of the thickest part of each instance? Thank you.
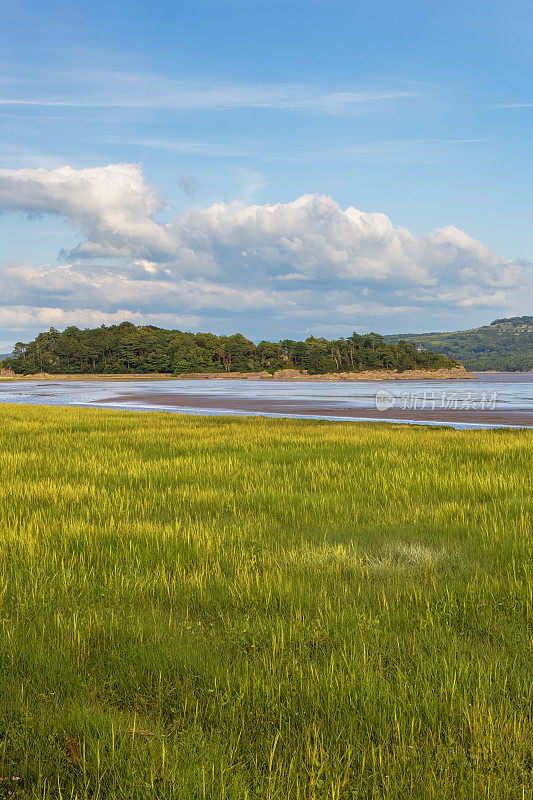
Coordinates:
(301, 407)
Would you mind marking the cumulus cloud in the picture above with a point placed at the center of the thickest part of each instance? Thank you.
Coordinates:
(305, 259)
(135, 285)
(113, 206)
(23, 317)
(312, 237)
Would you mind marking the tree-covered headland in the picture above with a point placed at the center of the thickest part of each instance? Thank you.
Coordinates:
(505, 345)
(127, 348)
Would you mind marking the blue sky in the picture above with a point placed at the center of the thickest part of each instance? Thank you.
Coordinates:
(238, 109)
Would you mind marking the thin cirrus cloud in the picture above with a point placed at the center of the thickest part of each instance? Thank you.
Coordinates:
(514, 105)
(140, 90)
(280, 265)
(377, 150)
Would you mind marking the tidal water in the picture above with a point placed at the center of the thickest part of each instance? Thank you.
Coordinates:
(490, 400)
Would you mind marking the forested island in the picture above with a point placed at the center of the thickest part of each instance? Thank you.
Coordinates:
(506, 345)
(145, 349)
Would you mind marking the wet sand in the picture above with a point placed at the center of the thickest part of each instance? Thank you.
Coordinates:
(299, 407)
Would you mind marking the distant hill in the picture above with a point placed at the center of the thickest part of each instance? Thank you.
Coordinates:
(505, 345)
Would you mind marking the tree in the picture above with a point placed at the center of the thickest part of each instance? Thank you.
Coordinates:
(146, 348)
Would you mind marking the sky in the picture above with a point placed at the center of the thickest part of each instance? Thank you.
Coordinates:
(281, 168)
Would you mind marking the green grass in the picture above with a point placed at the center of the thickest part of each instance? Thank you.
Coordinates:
(248, 608)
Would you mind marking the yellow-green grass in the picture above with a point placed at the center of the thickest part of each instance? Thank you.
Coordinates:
(199, 607)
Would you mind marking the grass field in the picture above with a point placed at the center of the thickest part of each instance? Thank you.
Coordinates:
(249, 608)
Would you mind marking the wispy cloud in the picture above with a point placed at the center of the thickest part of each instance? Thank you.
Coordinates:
(131, 90)
(402, 149)
(188, 184)
(400, 142)
(189, 148)
(386, 149)
(514, 105)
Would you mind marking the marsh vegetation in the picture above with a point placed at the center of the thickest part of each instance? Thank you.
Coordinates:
(201, 607)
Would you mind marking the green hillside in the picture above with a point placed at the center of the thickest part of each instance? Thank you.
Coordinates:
(505, 345)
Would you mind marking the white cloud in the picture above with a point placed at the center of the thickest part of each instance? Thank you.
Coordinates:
(311, 237)
(113, 205)
(304, 260)
(22, 317)
(136, 285)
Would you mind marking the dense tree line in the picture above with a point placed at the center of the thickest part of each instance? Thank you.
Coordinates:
(505, 345)
(127, 348)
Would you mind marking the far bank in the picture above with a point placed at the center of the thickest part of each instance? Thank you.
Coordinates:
(457, 373)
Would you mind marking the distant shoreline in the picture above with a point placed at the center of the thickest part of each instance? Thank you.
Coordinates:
(503, 372)
(287, 375)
